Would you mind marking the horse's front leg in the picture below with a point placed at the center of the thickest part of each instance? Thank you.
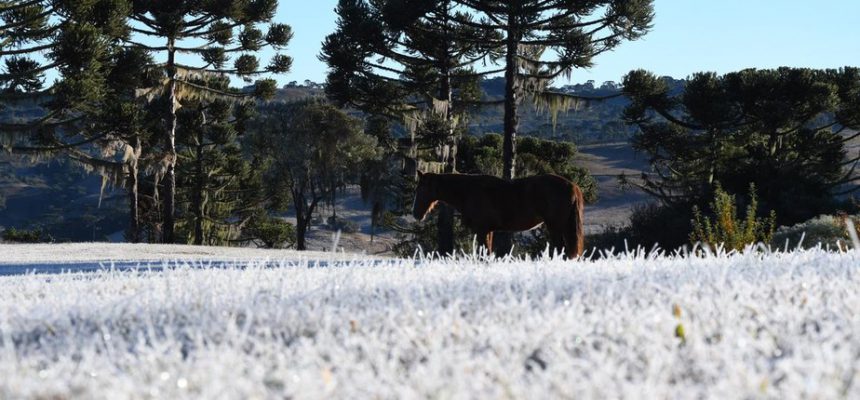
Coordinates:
(485, 240)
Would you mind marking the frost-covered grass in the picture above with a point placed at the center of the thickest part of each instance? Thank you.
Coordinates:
(744, 326)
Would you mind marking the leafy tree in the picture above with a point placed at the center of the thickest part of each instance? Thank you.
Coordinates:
(270, 232)
(783, 130)
(382, 181)
(87, 42)
(200, 37)
(309, 145)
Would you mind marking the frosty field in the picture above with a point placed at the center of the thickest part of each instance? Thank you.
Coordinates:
(742, 326)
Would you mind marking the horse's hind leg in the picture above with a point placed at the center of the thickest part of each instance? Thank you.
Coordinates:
(556, 238)
(573, 231)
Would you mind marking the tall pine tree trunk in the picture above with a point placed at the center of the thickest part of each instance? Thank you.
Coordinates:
(168, 234)
(445, 224)
(197, 196)
(502, 241)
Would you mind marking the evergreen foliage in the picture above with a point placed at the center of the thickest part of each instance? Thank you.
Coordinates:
(126, 67)
(270, 232)
(229, 31)
(14, 235)
(783, 130)
(214, 195)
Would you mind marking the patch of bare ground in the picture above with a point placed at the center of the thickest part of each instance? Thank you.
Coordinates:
(615, 203)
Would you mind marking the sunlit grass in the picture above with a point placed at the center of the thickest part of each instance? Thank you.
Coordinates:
(634, 326)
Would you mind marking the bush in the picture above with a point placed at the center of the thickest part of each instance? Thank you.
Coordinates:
(651, 225)
(827, 230)
(612, 238)
(342, 224)
(659, 225)
(726, 229)
(26, 236)
(270, 232)
(413, 236)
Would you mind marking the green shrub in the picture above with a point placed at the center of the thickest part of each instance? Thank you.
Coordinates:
(659, 225)
(26, 236)
(726, 229)
(827, 230)
(271, 232)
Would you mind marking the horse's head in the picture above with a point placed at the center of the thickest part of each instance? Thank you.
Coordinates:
(425, 196)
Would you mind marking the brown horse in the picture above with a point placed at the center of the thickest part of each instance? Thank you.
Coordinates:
(487, 204)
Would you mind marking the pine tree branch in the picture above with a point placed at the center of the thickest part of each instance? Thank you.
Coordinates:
(13, 7)
(32, 71)
(143, 31)
(26, 50)
(194, 32)
(58, 147)
(133, 44)
(28, 20)
(213, 91)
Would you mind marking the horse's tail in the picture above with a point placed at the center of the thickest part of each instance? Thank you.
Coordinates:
(574, 238)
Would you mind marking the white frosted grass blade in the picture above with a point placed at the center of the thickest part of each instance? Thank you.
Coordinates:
(852, 233)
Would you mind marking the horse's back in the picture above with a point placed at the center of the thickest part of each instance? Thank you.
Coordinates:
(524, 203)
(548, 186)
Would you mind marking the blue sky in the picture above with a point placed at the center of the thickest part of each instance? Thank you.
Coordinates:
(688, 36)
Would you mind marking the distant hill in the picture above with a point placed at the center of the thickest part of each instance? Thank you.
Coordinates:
(593, 122)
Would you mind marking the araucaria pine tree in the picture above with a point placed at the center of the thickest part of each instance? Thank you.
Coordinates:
(89, 113)
(193, 38)
(124, 69)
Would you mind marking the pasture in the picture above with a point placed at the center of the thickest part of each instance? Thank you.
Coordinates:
(782, 325)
